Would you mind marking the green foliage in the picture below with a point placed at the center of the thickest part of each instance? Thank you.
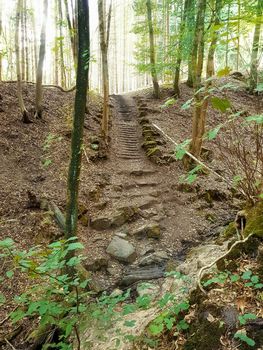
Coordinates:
(255, 118)
(244, 318)
(221, 104)
(192, 175)
(241, 335)
(180, 150)
(56, 297)
(169, 103)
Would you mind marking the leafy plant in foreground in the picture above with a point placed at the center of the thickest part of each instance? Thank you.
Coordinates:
(57, 298)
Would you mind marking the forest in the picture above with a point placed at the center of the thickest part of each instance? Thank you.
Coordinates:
(131, 174)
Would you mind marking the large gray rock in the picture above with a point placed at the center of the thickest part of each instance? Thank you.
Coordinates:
(121, 250)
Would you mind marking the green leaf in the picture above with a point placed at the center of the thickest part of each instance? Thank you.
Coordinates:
(246, 275)
(17, 315)
(2, 298)
(242, 336)
(9, 274)
(128, 309)
(182, 325)
(255, 118)
(234, 278)
(130, 323)
(169, 322)
(212, 134)
(223, 72)
(75, 246)
(221, 104)
(254, 279)
(170, 102)
(243, 318)
(258, 285)
(7, 243)
(187, 104)
(156, 329)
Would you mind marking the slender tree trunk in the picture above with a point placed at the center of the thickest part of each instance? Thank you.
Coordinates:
(26, 43)
(156, 88)
(78, 118)
(238, 34)
(35, 41)
(22, 107)
(190, 22)
(56, 65)
(1, 34)
(180, 48)
(61, 53)
(72, 31)
(104, 28)
(23, 75)
(253, 80)
(198, 117)
(39, 75)
(227, 36)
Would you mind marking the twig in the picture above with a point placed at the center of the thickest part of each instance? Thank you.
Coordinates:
(8, 316)
(86, 156)
(200, 274)
(196, 159)
(11, 346)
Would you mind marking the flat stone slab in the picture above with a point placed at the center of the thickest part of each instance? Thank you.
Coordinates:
(142, 274)
(121, 250)
(150, 231)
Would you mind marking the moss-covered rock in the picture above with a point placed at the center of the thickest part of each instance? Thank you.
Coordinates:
(254, 221)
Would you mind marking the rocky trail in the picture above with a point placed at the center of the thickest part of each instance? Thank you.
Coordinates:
(147, 222)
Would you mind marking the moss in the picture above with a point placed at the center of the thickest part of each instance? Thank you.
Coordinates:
(254, 222)
(230, 231)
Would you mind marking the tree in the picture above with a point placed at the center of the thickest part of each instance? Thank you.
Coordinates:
(104, 28)
(152, 50)
(39, 75)
(253, 80)
(187, 8)
(24, 112)
(78, 118)
(197, 67)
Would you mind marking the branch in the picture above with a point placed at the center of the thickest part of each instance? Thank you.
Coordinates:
(200, 274)
(196, 159)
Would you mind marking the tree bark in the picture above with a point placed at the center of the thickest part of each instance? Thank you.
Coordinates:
(78, 118)
(104, 29)
(156, 88)
(22, 107)
(187, 3)
(253, 80)
(61, 53)
(199, 114)
(39, 75)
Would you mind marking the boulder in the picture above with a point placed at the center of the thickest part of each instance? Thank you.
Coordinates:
(121, 250)
(150, 230)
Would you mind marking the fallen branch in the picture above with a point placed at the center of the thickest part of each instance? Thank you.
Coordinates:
(200, 274)
(7, 317)
(8, 343)
(45, 86)
(196, 159)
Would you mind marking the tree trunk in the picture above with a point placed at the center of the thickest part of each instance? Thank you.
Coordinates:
(78, 118)
(187, 3)
(156, 88)
(104, 28)
(72, 32)
(190, 23)
(1, 33)
(253, 80)
(22, 107)
(199, 114)
(61, 53)
(39, 75)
